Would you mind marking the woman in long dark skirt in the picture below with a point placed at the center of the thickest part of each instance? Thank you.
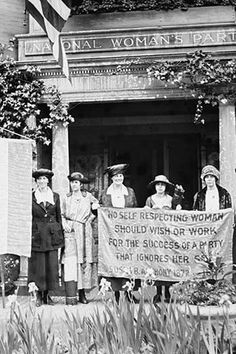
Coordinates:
(47, 237)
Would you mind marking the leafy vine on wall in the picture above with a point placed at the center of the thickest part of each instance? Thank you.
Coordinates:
(209, 80)
(102, 6)
(20, 95)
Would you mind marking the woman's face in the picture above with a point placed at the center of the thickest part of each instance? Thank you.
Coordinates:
(210, 181)
(42, 182)
(75, 185)
(160, 187)
(118, 179)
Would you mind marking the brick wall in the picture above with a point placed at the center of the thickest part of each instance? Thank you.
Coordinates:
(11, 19)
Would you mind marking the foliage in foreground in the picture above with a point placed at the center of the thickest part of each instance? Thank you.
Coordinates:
(125, 328)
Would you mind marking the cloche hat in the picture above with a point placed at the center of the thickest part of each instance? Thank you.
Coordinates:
(210, 170)
(116, 169)
(77, 176)
(42, 172)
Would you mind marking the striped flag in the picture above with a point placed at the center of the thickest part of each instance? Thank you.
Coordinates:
(52, 15)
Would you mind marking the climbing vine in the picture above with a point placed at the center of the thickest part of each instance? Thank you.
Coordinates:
(209, 80)
(100, 6)
(20, 95)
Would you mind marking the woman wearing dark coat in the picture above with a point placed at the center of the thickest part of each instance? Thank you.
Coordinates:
(212, 197)
(47, 237)
(119, 196)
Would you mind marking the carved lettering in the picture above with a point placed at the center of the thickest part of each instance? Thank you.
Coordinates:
(153, 42)
(116, 42)
(107, 42)
(128, 42)
(141, 41)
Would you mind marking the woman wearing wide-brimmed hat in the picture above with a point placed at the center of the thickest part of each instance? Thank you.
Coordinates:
(119, 196)
(166, 196)
(212, 196)
(47, 237)
(80, 254)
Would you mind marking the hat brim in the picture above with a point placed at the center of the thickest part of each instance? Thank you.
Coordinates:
(83, 180)
(36, 174)
(170, 187)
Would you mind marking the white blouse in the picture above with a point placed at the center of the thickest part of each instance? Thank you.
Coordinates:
(212, 199)
(117, 195)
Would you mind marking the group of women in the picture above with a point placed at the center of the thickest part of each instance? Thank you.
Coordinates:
(69, 227)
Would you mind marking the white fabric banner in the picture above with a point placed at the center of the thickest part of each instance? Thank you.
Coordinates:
(15, 196)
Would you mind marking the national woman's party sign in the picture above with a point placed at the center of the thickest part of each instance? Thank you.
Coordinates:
(171, 243)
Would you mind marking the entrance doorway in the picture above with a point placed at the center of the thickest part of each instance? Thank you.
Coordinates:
(176, 156)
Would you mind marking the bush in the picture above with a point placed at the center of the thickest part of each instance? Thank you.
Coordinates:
(11, 264)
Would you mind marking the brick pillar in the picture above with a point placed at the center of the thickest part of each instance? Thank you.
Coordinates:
(60, 159)
(227, 137)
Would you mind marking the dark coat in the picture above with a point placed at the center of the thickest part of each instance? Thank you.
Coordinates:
(47, 233)
(224, 199)
(130, 199)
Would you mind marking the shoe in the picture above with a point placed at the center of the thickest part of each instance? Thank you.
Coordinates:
(47, 300)
(39, 300)
(82, 297)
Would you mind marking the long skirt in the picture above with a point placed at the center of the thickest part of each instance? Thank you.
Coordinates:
(83, 273)
(43, 270)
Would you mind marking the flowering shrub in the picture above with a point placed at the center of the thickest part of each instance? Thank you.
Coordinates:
(209, 287)
(209, 80)
(11, 264)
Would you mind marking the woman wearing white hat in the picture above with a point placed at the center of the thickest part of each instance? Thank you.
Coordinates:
(80, 255)
(162, 199)
(212, 196)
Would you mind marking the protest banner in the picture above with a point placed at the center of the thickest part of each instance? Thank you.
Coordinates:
(133, 241)
(15, 196)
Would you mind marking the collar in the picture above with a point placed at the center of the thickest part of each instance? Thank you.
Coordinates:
(44, 197)
(112, 191)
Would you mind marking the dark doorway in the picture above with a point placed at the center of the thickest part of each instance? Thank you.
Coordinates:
(148, 156)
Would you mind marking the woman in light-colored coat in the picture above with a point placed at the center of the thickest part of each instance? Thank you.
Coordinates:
(80, 255)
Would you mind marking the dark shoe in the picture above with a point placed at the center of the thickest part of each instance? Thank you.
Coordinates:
(50, 301)
(82, 297)
(47, 300)
(39, 300)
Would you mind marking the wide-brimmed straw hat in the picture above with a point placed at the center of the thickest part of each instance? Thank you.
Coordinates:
(116, 169)
(42, 172)
(78, 176)
(210, 170)
(163, 179)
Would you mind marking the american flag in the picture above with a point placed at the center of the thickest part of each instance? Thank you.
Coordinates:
(52, 15)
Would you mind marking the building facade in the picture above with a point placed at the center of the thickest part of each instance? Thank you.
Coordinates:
(122, 115)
